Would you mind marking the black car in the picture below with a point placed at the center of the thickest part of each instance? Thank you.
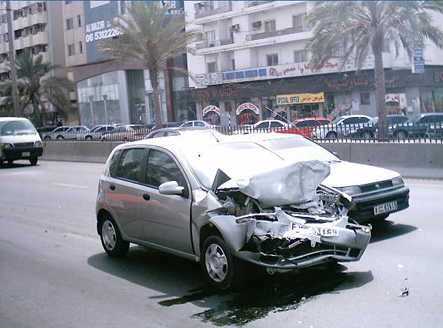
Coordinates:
(417, 126)
(370, 130)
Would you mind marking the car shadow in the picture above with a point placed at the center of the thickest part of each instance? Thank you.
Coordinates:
(382, 230)
(14, 165)
(181, 282)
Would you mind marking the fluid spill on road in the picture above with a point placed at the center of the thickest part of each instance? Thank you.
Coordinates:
(262, 294)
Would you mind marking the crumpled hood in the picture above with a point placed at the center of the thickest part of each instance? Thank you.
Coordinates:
(344, 174)
(294, 183)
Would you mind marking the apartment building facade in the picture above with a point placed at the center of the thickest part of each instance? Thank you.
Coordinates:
(37, 28)
(107, 93)
(252, 65)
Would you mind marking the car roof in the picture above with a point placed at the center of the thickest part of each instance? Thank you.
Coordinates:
(311, 119)
(431, 114)
(356, 115)
(6, 119)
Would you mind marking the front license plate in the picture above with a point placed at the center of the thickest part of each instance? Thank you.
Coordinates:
(26, 154)
(385, 208)
(325, 232)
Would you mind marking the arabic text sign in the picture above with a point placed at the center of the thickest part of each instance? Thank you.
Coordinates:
(245, 106)
(301, 98)
(211, 108)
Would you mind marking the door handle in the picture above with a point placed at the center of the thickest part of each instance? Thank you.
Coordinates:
(146, 197)
(112, 187)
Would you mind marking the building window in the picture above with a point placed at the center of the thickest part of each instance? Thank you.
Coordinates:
(210, 38)
(212, 67)
(272, 59)
(298, 21)
(270, 25)
(122, 7)
(71, 50)
(300, 56)
(80, 46)
(79, 20)
(233, 64)
(365, 98)
(386, 46)
(69, 24)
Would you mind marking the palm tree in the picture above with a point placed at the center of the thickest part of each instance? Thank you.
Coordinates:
(362, 26)
(149, 36)
(37, 86)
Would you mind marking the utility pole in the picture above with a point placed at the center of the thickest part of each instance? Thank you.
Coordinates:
(12, 60)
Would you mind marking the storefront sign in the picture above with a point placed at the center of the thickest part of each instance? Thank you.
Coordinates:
(245, 106)
(100, 30)
(399, 98)
(438, 77)
(211, 108)
(418, 63)
(301, 98)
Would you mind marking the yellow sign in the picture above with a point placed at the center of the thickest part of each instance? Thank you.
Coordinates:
(301, 98)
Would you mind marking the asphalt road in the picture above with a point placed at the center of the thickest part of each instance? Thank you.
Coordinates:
(54, 273)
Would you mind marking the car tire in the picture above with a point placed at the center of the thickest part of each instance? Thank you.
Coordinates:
(331, 136)
(111, 238)
(221, 268)
(60, 138)
(401, 135)
(47, 138)
(33, 160)
(88, 138)
(10, 161)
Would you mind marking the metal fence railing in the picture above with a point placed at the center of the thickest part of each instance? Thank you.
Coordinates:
(399, 133)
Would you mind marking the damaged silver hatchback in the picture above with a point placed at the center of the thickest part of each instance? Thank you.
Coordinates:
(221, 203)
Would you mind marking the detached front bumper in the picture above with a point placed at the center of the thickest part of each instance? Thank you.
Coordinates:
(366, 203)
(15, 153)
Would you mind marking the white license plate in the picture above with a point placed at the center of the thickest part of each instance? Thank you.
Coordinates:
(325, 232)
(26, 154)
(385, 208)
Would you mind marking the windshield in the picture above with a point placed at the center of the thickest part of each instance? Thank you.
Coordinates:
(17, 128)
(414, 118)
(336, 120)
(238, 161)
(299, 149)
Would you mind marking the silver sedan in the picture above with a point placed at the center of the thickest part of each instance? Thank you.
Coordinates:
(224, 202)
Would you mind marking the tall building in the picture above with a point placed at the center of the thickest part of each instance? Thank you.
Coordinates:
(107, 93)
(253, 65)
(37, 28)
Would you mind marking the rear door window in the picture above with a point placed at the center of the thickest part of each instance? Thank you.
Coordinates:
(276, 125)
(199, 124)
(129, 164)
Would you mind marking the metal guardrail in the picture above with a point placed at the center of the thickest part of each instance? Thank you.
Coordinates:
(399, 133)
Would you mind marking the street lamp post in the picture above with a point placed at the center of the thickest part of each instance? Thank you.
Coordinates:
(105, 97)
(12, 60)
(91, 98)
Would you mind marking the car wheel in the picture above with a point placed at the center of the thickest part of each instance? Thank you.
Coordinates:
(331, 135)
(60, 138)
(402, 135)
(33, 160)
(89, 138)
(10, 161)
(221, 269)
(111, 238)
(367, 135)
(47, 138)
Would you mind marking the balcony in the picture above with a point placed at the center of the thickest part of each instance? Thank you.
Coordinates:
(205, 10)
(250, 4)
(264, 35)
(215, 43)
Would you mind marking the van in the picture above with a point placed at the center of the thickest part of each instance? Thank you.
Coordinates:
(19, 140)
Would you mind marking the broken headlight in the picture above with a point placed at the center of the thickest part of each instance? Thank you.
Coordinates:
(350, 190)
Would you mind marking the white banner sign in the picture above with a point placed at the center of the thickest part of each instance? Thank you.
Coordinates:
(211, 108)
(245, 106)
(100, 30)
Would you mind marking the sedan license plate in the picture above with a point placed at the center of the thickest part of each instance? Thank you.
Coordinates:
(325, 232)
(26, 154)
(385, 208)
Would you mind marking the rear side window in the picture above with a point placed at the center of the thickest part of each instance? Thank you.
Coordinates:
(276, 125)
(199, 124)
(187, 124)
(114, 162)
(129, 164)
(161, 168)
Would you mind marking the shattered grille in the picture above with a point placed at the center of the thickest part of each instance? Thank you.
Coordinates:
(24, 144)
(376, 186)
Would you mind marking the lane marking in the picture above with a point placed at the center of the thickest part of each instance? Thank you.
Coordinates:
(69, 185)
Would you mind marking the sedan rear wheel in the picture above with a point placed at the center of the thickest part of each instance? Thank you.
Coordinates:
(111, 238)
(331, 135)
(60, 138)
(222, 270)
(33, 160)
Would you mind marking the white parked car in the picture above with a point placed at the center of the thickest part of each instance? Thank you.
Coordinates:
(341, 127)
(197, 123)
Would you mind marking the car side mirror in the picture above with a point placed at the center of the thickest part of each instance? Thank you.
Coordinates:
(171, 188)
